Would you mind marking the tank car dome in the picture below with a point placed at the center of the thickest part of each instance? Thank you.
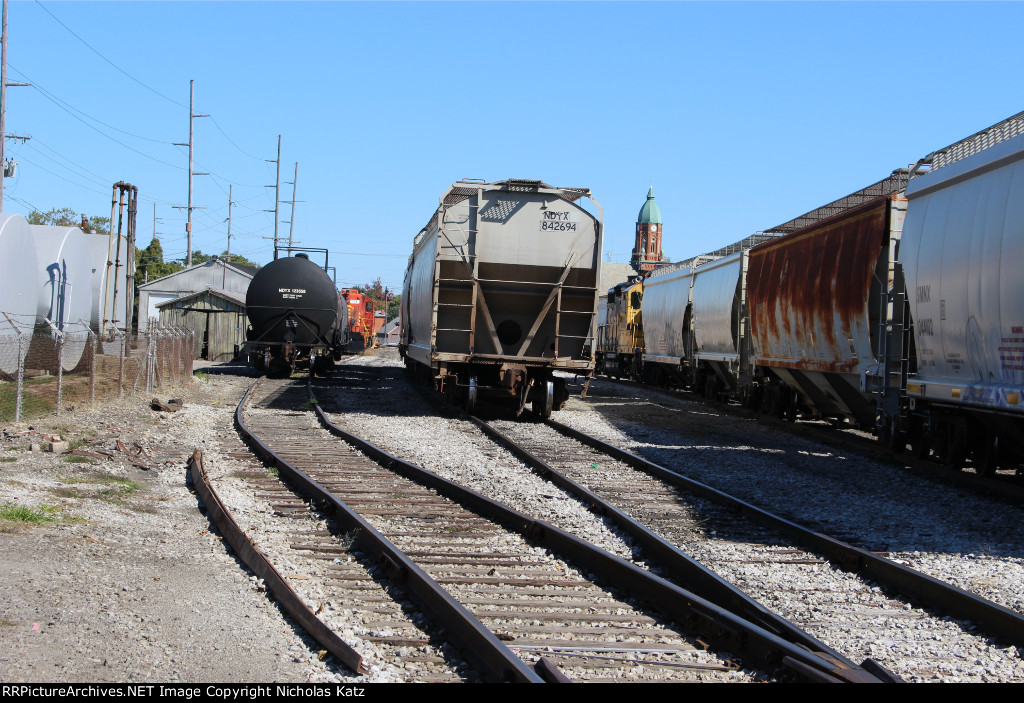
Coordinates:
(19, 290)
(650, 214)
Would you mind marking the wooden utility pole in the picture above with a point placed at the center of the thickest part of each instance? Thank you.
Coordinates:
(277, 190)
(227, 259)
(191, 116)
(3, 102)
(291, 223)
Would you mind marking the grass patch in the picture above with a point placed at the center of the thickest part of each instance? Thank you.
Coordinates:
(12, 512)
(124, 485)
(4, 622)
(8, 459)
(76, 459)
(116, 489)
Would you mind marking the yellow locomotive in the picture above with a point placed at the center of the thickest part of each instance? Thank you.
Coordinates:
(620, 332)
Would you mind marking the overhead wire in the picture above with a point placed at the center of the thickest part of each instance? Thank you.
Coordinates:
(71, 110)
(88, 46)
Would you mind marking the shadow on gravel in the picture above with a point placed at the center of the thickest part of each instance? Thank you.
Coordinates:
(866, 502)
(225, 368)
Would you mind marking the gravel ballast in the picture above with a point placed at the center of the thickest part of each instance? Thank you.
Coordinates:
(128, 583)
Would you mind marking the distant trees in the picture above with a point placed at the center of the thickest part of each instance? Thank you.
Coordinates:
(199, 257)
(150, 264)
(376, 292)
(68, 217)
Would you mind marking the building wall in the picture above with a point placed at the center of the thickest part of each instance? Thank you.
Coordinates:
(212, 274)
(218, 325)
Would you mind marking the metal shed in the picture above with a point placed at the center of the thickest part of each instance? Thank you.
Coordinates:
(214, 274)
(216, 318)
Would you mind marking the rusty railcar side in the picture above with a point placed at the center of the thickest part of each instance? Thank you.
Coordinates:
(817, 299)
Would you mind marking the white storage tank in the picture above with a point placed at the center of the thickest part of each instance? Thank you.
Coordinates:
(19, 290)
(108, 260)
(64, 282)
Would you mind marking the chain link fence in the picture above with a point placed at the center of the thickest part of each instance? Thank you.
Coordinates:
(45, 370)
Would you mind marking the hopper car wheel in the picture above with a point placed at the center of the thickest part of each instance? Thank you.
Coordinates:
(471, 395)
(792, 406)
(986, 454)
(919, 443)
(954, 449)
(889, 435)
(543, 402)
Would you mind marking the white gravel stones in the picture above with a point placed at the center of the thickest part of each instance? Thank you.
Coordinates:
(969, 541)
(128, 584)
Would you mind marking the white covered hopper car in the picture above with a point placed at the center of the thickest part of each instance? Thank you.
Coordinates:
(501, 292)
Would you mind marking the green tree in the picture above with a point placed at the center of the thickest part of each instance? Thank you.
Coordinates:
(376, 292)
(150, 265)
(199, 257)
(64, 217)
(67, 217)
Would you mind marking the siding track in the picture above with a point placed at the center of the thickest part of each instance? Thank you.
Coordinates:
(518, 585)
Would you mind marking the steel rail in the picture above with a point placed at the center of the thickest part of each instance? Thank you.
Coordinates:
(686, 570)
(726, 630)
(495, 660)
(251, 555)
(995, 619)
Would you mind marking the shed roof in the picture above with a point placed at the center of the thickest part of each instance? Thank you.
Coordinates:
(229, 295)
(246, 271)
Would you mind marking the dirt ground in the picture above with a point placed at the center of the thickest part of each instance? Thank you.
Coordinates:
(122, 579)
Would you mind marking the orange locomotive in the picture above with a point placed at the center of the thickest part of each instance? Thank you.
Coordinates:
(360, 319)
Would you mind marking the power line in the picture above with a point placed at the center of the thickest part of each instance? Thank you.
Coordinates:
(92, 127)
(88, 46)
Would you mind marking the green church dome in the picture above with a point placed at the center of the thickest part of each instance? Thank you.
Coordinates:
(649, 213)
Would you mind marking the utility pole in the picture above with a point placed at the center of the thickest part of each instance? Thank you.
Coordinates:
(3, 101)
(145, 270)
(224, 278)
(277, 190)
(191, 116)
(291, 222)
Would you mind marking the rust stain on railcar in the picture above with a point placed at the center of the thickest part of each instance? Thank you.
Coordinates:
(808, 292)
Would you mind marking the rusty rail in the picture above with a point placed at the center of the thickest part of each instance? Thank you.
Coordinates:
(261, 566)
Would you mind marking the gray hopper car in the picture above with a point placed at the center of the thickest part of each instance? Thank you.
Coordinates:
(501, 292)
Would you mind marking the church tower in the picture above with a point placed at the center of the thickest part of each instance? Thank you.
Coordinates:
(647, 248)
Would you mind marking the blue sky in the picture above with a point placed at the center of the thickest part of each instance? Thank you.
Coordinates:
(743, 115)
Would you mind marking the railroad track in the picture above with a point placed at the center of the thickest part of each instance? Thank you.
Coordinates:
(506, 571)
(336, 581)
(654, 503)
(757, 557)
